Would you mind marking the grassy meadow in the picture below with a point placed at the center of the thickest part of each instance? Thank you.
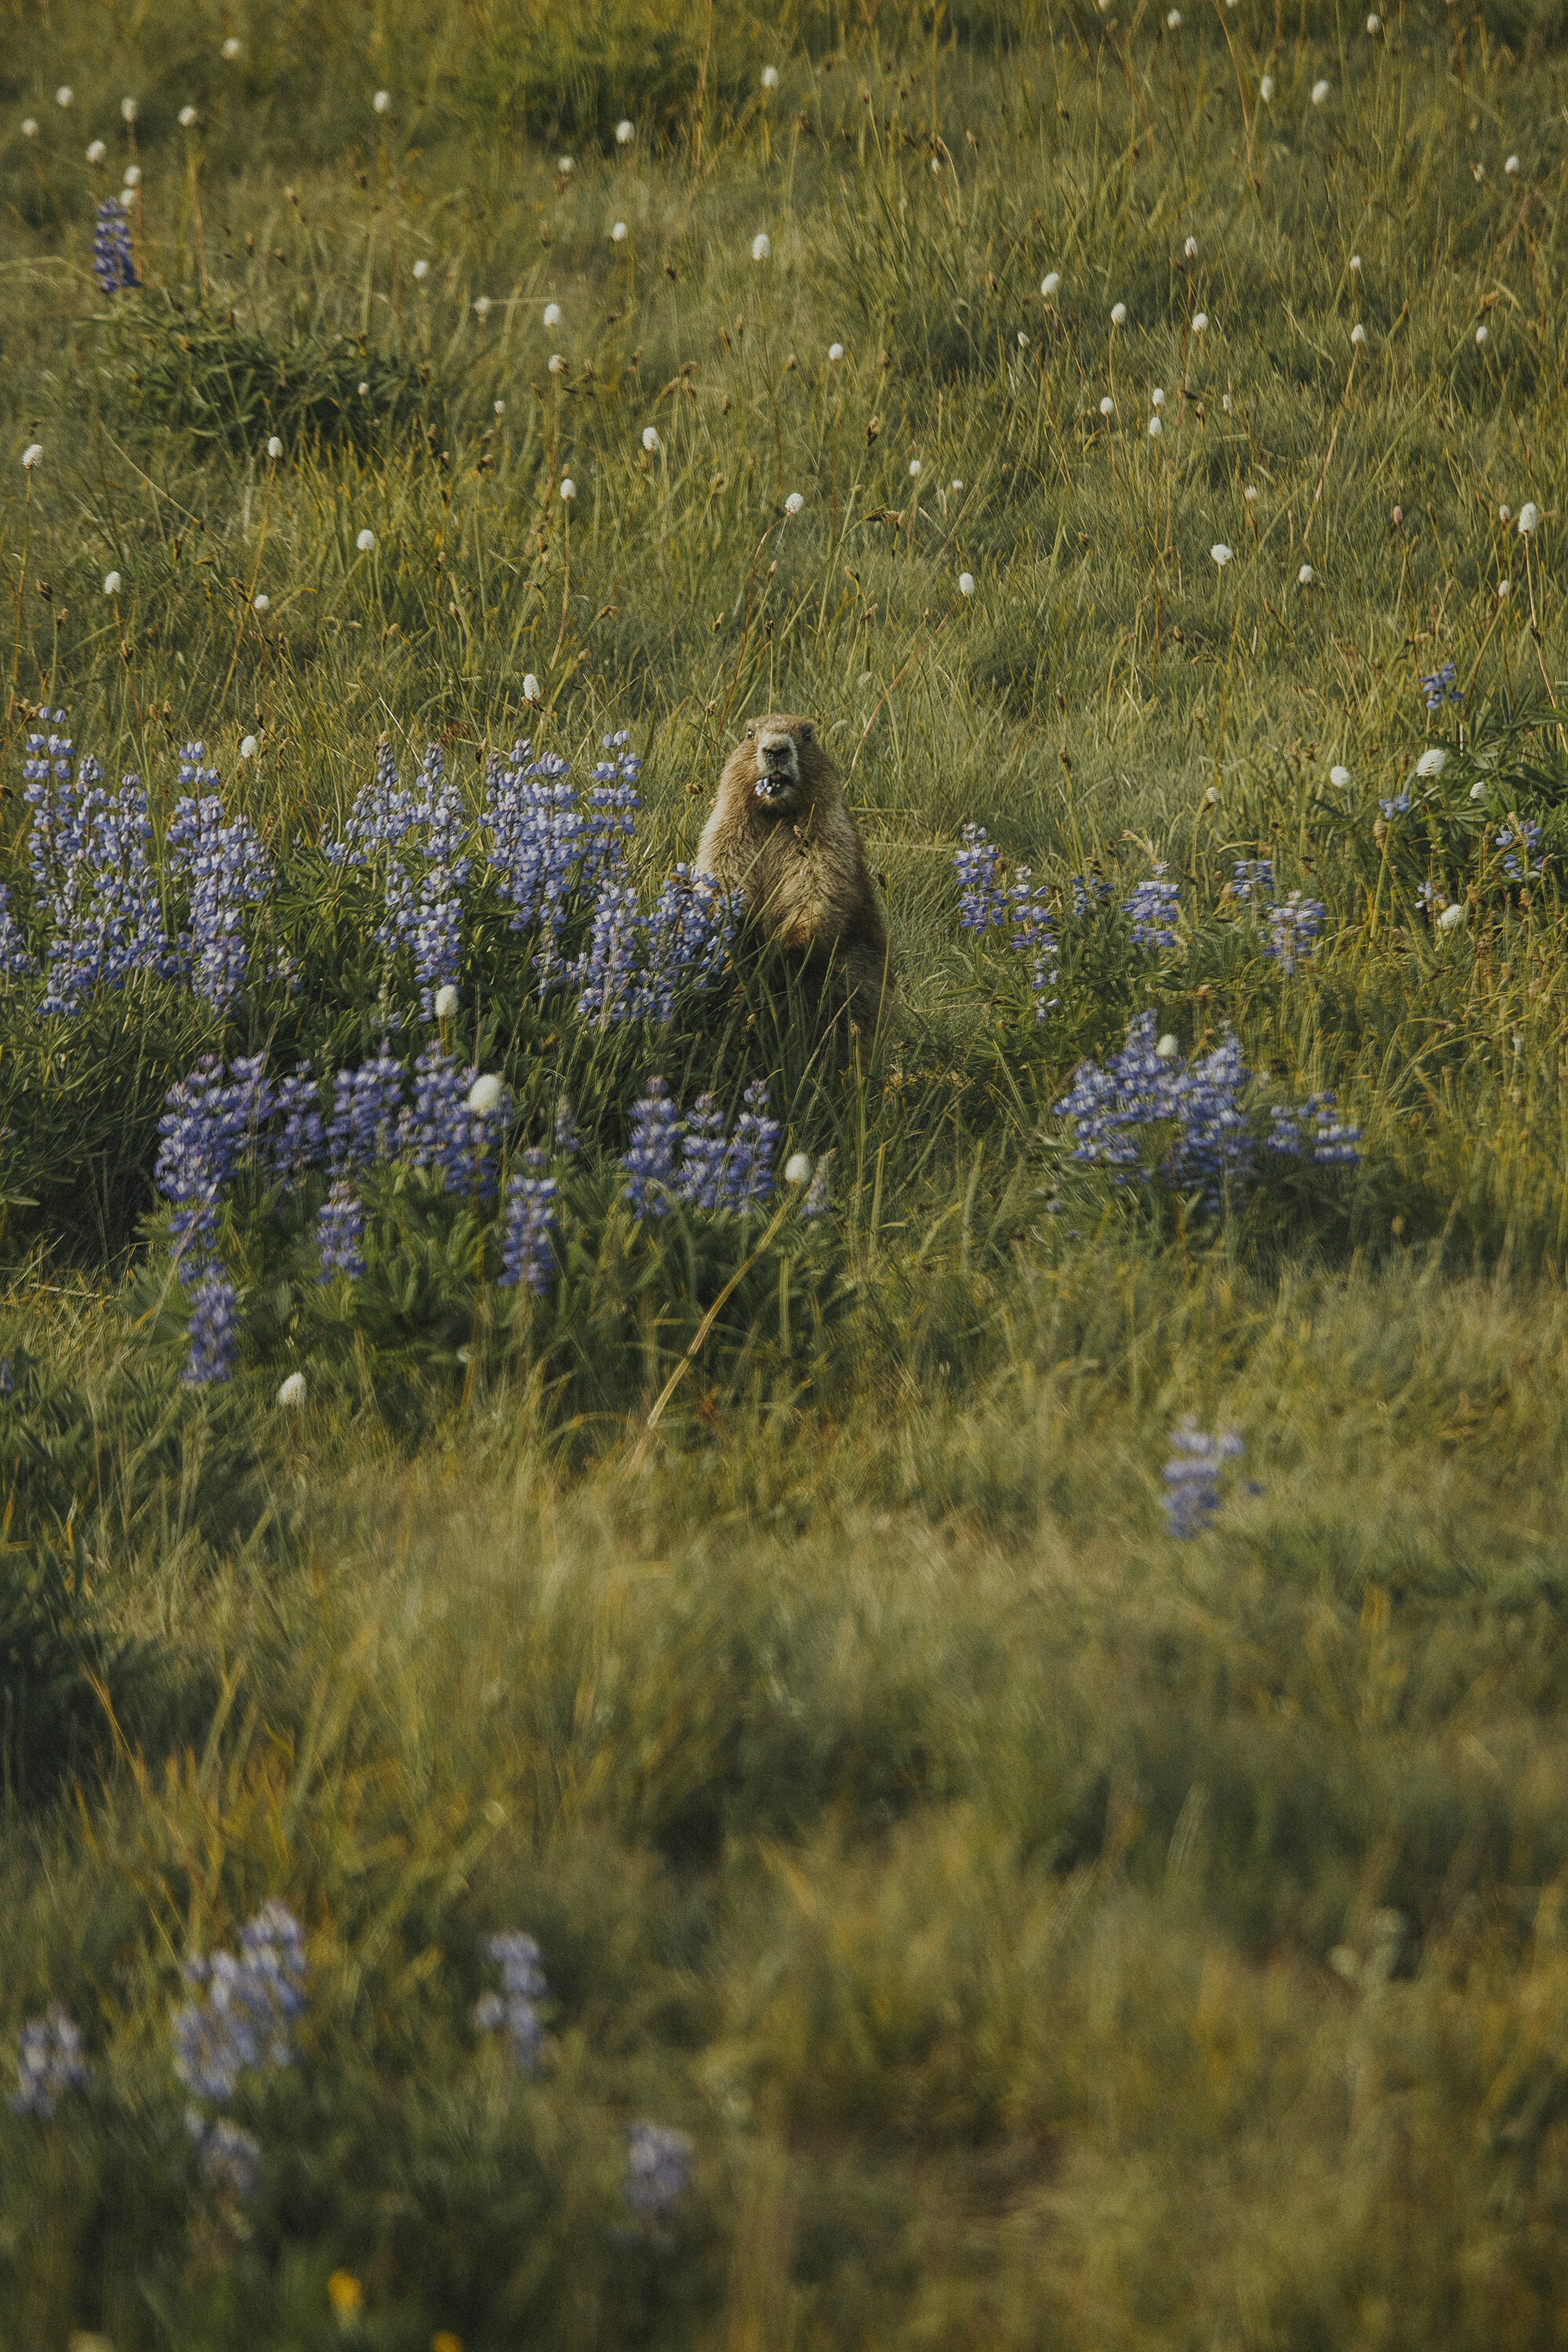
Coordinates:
(1029, 1928)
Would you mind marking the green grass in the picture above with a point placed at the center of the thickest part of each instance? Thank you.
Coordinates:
(1048, 1932)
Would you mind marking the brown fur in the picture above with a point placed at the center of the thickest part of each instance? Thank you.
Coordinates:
(797, 856)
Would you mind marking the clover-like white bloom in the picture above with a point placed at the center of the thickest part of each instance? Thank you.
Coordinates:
(798, 1169)
(1200, 322)
(1167, 1048)
(1512, 166)
(1191, 249)
(626, 131)
(382, 102)
(793, 503)
(1023, 340)
(1481, 334)
(231, 48)
(291, 1394)
(1221, 553)
(1341, 779)
(568, 489)
(966, 583)
(1505, 589)
(484, 1095)
(365, 542)
(1451, 918)
(32, 455)
(262, 604)
(111, 584)
(1266, 90)
(915, 469)
(557, 365)
(619, 234)
(482, 306)
(1432, 762)
(1157, 397)
(1119, 314)
(1374, 24)
(566, 166)
(132, 175)
(96, 151)
(769, 76)
(1505, 512)
(1050, 282)
(1174, 20)
(249, 747)
(445, 1001)
(956, 484)
(1108, 406)
(553, 314)
(1529, 516)
(650, 438)
(128, 110)
(363, 390)
(1155, 428)
(1355, 263)
(761, 247)
(836, 352)
(64, 95)
(1358, 334)
(1250, 494)
(1321, 92)
(1304, 577)
(1227, 403)
(422, 269)
(29, 127)
(531, 688)
(1477, 790)
(187, 117)
(1211, 798)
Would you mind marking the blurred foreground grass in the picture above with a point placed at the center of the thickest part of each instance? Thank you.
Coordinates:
(1047, 1934)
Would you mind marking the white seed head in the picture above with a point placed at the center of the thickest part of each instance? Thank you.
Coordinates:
(793, 503)
(365, 542)
(1250, 494)
(291, 1394)
(531, 688)
(1505, 513)
(649, 438)
(566, 166)
(231, 48)
(1023, 340)
(1191, 249)
(111, 584)
(482, 306)
(1505, 588)
(936, 167)
(553, 314)
(382, 102)
(1478, 791)
(363, 390)
(1155, 428)
(1374, 24)
(568, 489)
(798, 1169)
(915, 469)
(445, 1001)
(1119, 314)
(761, 247)
(966, 583)
(1358, 334)
(1211, 798)
(249, 747)
(836, 352)
(32, 455)
(1227, 403)
(769, 76)
(1167, 1048)
(1341, 779)
(274, 446)
(1172, 20)
(261, 604)
(957, 483)
(1050, 282)
(132, 175)
(187, 117)
(29, 127)
(64, 95)
(1221, 553)
(626, 131)
(1304, 577)
(96, 151)
(1512, 166)
(1355, 263)
(1108, 406)
(484, 1095)
(1321, 92)
(1266, 90)
(557, 365)
(619, 234)
(1451, 918)
(1432, 762)
(1481, 334)
(128, 110)
(1529, 516)
(421, 269)
(1157, 397)
(1201, 323)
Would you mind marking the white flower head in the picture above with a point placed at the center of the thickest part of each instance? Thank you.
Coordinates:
(1050, 282)
(531, 688)
(132, 175)
(1512, 166)
(445, 1001)
(798, 1169)
(291, 1394)
(231, 48)
(553, 314)
(422, 269)
(29, 127)
(64, 95)
(1505, 512)
(1341, 779)
(1157, 397)
(1481, 334)
(1155, 428)
(1432, 762)
(626, 131)
(187, 118)
(498, 407)
(1478, 791)
(382, 102)
(769, 76)
(793, 503)
(836, 352)
(1355, 263)
(1529, 516)
(1167, 1048)
(566, 166)
(957, 483)
(1221, 553)
(915, 469)
(484, 1095)
(96, 151)
(1172, 20)
(1191, 249)
(650, 438)
(966, 583)
(1250, 494)
(1211, 798)
(249, 747)
(1119, 314)
(111, 584)
(1266, 90)
(761, 247)
(1108, 406)
(1227, 403)
(1201, 322)
(619, 234)
(262, 604)
(128, 110)
(32, 455)
(363, 390)
(1023, 340)
(557, 365)
(568, 489)
(1451, 918)
(482, 306)
(1374, 24)
(365, 542)
(1321, 92)
(1358, 334)
(1505, 588)
(1304, 577)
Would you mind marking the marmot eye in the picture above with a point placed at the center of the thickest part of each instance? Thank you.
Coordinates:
(750, 732)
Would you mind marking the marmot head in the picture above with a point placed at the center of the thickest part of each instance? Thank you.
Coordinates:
(779, 763)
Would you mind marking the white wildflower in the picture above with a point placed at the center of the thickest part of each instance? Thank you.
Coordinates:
(1221, 553)
(365, 542)
(1321, 92)
(484, 1095)
(445, 1001)
(619, 234)
(1358, 334)
(187, 117)
(1266, 90)
(249, 747)
(798, 1169)
(1304, 577)
(1050, 282)
(793, 503)
(626, 131)
(1432, 762)
(1167, 1048)
(132, 175)
(531, 688)
(1481, 334)
(551, 314)
(1529, 516)
(96, 151)
(1157, 397)
(1512, 166)
(761, 247)
(231, 48)
(64, 95)
(1341, 779)
(482, 306)
(128, 110)
(966, 583)
(29, 127)
(1174, 20)
(1155, 428)
(1451, 918)
(1201, 322)
(1191, 249)
(557, 365)
(1119, 314)
(382, 102)
(649, 438)
(292, 1393)
(769, 76)
(1505, 588)
(32, 455)
(568, 489)
(422, 269)
(1108, 406)
(262, 604)
(836, 352)
(566, 166)
(915, 469)
(111, 584)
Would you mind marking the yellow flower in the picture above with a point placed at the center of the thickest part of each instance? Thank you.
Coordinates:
(445, 2341)
(345, 2294)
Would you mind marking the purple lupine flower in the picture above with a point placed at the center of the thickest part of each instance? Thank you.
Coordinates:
(1088, 890)
(112, 263)
(1253, 879)
(1031, 934)
(87, 850)
(229, 2155)
(686, 935)
(703, 1153)
(246, 2002)
(208, 1126)
(366, 1105)
(611, 812)
(301, 1140)
(1214, 1146)
(818, 1192)
(747, 1178)
(1313, 1131)
(1153, 907)
(49, 2063)
(1441, 688)
(976, 862)
(16, 963)
(608, 969)
(1137, 1089)
(658, 2170)
(445, 1131)
(516, 2007)
(340, 1233)
(1399, 805)
(214, 1332)
(649, 1160)
(1293, 925)
(568, 1138)
(527, 1245)
(228, 869)
(537, 834)
(1508, 839)
(1191, 1477)
(381, 815)
(428, 922)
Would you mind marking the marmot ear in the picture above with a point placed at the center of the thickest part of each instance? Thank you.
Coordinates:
(805, 734)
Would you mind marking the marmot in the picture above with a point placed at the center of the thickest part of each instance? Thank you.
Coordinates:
(781, 832)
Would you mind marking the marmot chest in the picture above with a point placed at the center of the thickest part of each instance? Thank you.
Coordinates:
(794, 884)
